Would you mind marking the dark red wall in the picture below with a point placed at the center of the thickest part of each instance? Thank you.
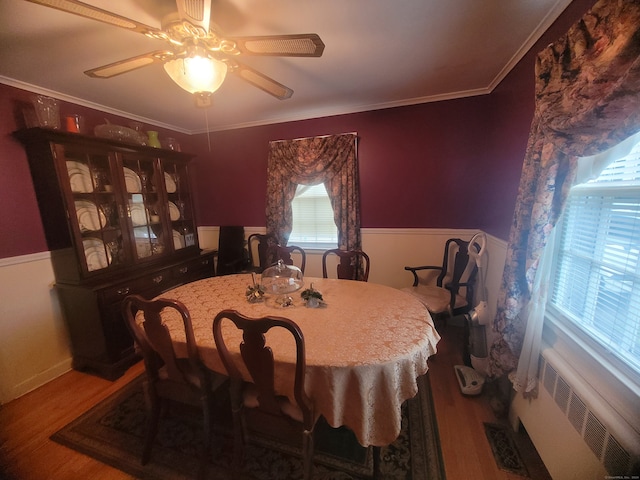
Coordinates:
(20, 227)
(418, 166)
(449, 164)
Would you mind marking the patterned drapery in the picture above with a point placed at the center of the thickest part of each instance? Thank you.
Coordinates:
(587, 100)
(331, 160)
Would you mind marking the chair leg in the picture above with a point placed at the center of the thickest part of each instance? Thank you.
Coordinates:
(207, 415)
(307, 454)
(376, 463)
(238, 438)
(152, 428)
(439, 320)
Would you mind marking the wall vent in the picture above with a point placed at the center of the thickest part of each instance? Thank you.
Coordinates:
(614, 457)
(577, 412)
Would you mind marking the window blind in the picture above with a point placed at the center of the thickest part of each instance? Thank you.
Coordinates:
(313, 223)
(596, 282)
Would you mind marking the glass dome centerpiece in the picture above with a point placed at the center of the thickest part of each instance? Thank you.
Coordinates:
(281, 280)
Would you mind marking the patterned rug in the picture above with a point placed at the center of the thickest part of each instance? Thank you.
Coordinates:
(113, 431)
(504, 449)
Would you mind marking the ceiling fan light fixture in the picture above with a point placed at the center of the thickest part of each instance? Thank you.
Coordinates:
(197, 73)
(195, 47)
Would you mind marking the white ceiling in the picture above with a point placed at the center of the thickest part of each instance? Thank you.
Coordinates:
(379, 53)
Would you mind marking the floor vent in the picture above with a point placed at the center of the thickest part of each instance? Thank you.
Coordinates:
(614, 457)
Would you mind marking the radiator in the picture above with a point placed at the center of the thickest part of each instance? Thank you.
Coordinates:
(575, 432)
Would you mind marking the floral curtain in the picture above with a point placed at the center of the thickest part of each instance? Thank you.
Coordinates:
(587, 100)
(331, 160)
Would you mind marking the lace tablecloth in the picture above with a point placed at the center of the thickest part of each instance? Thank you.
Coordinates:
(364, 350)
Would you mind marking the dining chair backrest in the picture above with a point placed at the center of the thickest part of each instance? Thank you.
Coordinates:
(259, 392)
(453, 289)
(459, 269)
(232, 255)
(169, 377)
(261, 244)
(155, 342)
(258, 358)
(280, 252)
(353, 264)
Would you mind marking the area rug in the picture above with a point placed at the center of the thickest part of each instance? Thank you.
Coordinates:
(113, 431)
(504, 449)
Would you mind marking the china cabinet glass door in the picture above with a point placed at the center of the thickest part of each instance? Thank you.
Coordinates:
(144, 204)
(93, 207)
(183, 229)
(125, 208)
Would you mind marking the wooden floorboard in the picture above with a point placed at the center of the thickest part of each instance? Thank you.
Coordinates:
(26, 452)
(465, 448)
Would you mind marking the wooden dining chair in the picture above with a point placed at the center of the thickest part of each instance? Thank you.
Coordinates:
(353, 264)
(260, 394)
(232, 254)
(280, 252)
(452, 290)
(261, 244)
(183, 380)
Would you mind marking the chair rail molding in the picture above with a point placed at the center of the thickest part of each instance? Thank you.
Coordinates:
(34, 345)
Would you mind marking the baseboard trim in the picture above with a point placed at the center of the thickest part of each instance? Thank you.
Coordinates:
(40, 379)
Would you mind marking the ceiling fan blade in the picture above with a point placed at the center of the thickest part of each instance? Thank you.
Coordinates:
(261, 81)
(298, 45)
(95, 13)
(129, 64)
(196, 12)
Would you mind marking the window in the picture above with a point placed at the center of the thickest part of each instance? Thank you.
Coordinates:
(596, 282)
(313, 224)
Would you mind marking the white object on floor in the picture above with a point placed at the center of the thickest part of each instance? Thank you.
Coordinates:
(470, 381)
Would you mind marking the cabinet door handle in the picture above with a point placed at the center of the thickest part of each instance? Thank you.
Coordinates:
(206, 262)
(184, 270)
(157, 279)
(123, 291)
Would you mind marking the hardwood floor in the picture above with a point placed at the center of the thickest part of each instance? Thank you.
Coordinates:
(26, 452)
(465, 448)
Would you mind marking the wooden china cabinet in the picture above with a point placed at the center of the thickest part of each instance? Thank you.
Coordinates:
(118, 219)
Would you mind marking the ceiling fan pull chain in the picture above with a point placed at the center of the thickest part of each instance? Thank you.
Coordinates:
(206, 123)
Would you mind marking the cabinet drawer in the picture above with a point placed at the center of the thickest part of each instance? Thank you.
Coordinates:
(157, 281)
(193, 270)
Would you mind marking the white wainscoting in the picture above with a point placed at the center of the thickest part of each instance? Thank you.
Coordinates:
(391, 249)
(34, 347)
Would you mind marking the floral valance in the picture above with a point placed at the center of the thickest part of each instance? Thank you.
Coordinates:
(331, 160)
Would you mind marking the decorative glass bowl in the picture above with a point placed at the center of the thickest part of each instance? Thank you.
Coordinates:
(281, 280)
(119, 133)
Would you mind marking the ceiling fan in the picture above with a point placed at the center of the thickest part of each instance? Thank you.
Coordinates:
(198, 56)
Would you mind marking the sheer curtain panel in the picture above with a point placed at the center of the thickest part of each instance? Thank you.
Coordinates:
(587, 100)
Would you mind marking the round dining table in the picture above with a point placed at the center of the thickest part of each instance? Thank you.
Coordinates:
(365, 346)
